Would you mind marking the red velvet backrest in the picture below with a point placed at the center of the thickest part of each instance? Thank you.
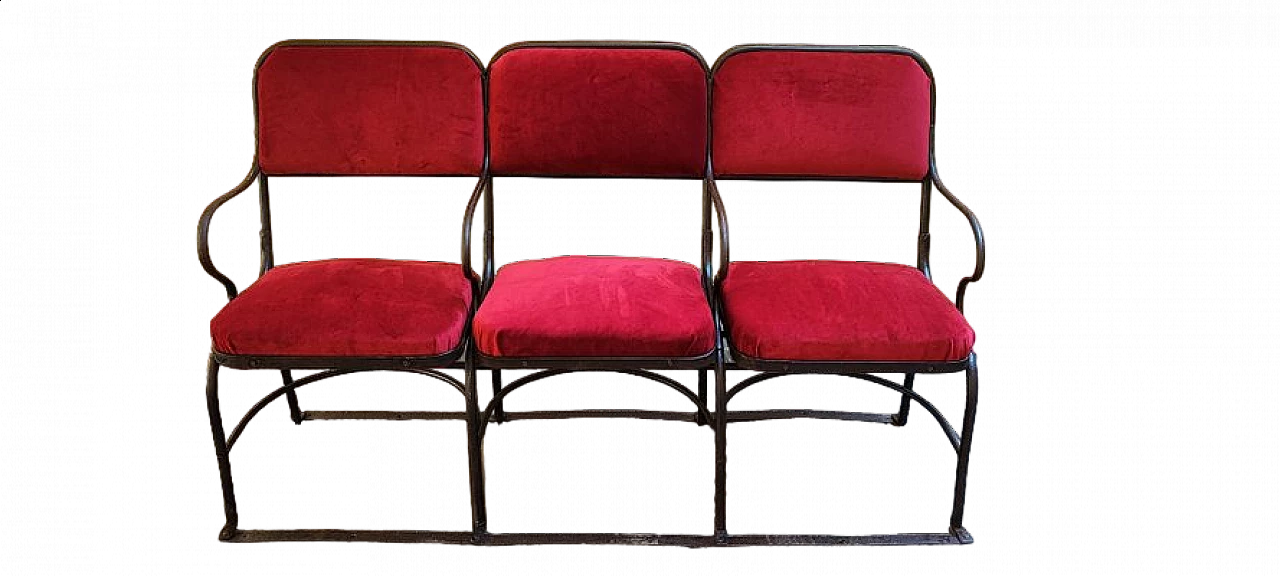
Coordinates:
(370, 109)
(598, 110)
(821, 113)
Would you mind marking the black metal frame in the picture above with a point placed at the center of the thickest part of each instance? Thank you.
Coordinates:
(769, 369)
(332, 366)
(721, 359)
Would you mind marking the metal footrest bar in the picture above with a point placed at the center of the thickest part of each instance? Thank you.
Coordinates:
(674, 416)
(602, 538)
(758, 415)
(380, 415)
(386, 536)
(736, 540)
(525, 415)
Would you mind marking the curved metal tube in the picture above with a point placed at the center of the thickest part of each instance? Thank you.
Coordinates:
(942, 420)
(922, 238)
(981, 246)
(723, 221)
(278, 392)
(468, 217)
(520, 382)
(761, 377)
(202, 231)
(952, 435)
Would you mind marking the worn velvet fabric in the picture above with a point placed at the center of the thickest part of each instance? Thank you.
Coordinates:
(829, 310)
(597, 112)
(348, 307)
(593, 306)
(833, 114)
(395, 110)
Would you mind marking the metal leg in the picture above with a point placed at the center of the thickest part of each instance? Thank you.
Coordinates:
(295, 413)
(721, 423)
(484, 478)
(966, 441)
(494, 382)
(900, 419)
(220, 447)
(700, 392)
(499, 415)
(483, 448)
(472, 442)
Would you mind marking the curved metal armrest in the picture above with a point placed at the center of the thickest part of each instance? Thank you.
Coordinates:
(202, 231)
(981, 259)
(723, 221)
(476, 281)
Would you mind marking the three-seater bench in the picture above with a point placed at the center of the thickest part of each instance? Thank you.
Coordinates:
(594, 110)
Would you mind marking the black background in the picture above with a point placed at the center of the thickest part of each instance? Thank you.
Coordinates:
(790, 478)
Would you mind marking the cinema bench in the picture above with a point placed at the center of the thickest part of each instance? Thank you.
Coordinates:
(604, 110)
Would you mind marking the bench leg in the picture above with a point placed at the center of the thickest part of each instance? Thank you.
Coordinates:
(479, 516)
(702, 396)
(721, 423)
(295, 413)
(904, 405)
(220, 448)
(494, 382)
(966, 441)
(499, 415)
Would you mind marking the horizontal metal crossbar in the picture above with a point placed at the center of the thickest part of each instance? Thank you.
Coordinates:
(758, 415)
(386, 536)
(734, 416)
(606, 538)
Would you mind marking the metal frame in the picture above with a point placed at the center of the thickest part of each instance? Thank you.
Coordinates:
(721, 359)
(332, 366)
(769, 369)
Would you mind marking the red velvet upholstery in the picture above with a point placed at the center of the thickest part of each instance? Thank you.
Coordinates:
(834, 114)
(348, 307)
(410, 110)
(597, 112)
(827, 310)
(592, 306)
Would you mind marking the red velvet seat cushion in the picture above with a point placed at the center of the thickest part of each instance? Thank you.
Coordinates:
(370, 109)
(598, 111)
(829, 310)
(815, 113)
(593, 306)
(348, 307)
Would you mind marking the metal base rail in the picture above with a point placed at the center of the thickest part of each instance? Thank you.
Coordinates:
(617, 539)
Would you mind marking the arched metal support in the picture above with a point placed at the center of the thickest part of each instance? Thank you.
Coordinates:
(906, 392)
(927, 405)
(519, 383)
(291, 385)
(750, 380)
